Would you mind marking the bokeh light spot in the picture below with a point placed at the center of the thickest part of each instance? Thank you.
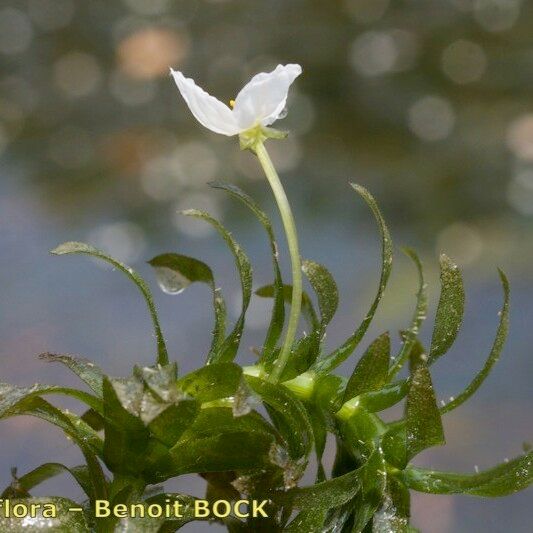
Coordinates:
(124, 240)
(520, 137)
(373, 53)
(461, 241)
(77, 74)
(149, 51)
(431, 118)
(464, 61)
(520, 193)
(497, 15)
(191, 226)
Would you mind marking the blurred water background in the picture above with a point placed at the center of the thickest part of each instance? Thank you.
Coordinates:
(427, 104)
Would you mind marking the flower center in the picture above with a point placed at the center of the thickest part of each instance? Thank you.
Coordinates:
(232, 103)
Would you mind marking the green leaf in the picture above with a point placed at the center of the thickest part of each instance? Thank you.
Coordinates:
(318, 423)
(373, 482)
(391, 518)
(21, 486)
(289, 416)
(16, 401)
(82, 248)
(308, 311)
(304, 353)
(325, 288)
(126, 437)
(419, 315)
(502, 480)
(213, 421)
(423, 424)
(173, 421)
(339, 355)
(371, 372)
(167, 410)
(212, 382)
(176, 272)
(218, 441)
(10, 395)
(229, 347)
(386, 397)
(222, 452)
(278, 312)
(87, 371)
(450, 309)
(160, 380)
(63, 522)
(499, 341)
(310, 521)
(326, 495)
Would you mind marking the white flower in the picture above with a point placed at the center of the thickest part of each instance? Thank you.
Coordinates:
(260, 102)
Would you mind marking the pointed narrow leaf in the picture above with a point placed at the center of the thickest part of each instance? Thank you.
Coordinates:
(304, 353)
(212, 421)
(345, 350)
(175, 272)
(82, 248)
(419, 315)
(372, 370)
(23, 484)
(278, 311)
(11, 395)
(497, 347)
(231, 450)
(390, 518)
(325, 288)
(87, 371)
(212, 382)
(450, 309)
(15, 404)
(386, 397)
(502, 480)
(309, 520)
(423, 424)
(126, 437)
(326, 495)
(229, 347)
(288, 414)
(308, 311)
(373, 482)
(318, 423)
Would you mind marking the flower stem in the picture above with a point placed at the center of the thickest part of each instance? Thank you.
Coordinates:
(292, 242)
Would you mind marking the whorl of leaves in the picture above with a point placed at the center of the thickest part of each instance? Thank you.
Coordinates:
(248, 437)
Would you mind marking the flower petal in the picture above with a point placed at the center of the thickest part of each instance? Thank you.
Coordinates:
(263, 98)
(207, 110)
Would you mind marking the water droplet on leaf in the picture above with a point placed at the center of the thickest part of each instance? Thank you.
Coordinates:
(170, 281)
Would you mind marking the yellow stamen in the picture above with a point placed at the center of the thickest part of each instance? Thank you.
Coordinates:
(232, 103)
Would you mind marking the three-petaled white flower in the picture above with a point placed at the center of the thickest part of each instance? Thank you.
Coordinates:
(259, 103)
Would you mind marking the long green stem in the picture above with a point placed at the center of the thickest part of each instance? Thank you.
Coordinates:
(292, 242)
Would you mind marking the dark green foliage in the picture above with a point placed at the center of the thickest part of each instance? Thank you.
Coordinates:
(156, 424)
